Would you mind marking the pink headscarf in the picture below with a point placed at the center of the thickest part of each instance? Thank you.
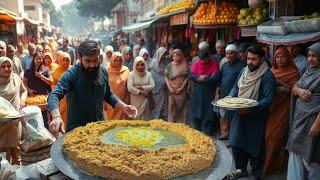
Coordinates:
(200, 68)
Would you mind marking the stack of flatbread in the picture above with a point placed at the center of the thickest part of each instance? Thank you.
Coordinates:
(235, 102)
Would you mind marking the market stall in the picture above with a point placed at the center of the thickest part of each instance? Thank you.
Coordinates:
(8, 28)
(290, 30)
(31, 30)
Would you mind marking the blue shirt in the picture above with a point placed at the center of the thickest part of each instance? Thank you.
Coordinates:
(26, 61)
(229, 74)
(84, 98)
(301, 63)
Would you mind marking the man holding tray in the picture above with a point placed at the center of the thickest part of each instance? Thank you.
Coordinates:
(248, 127)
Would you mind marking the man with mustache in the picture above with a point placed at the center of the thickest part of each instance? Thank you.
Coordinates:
(248, 128)
(86, 87)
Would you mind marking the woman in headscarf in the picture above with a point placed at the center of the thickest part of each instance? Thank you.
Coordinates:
(146, 56)
(159, 93)
(128, 58)
(205, 76)
(48, 62)
(47, 49)
(38, 80)
(136, 50)
(13, 90)
(118, 77)
(140, 85)
(58, 54)
(304, 128)
(64, 65)
(286, 74)
(176, 76)
(108, 51)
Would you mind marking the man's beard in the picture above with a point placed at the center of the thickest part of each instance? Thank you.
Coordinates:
(252, 67)
(91, 74)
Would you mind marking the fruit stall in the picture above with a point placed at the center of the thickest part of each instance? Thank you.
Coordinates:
(216, 20)
(8, 23)
(249, 18)
(215, 15)
(174, 8)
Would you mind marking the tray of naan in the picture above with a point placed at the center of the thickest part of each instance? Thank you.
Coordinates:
(235, 103)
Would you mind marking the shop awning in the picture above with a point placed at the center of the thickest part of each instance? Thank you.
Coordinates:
(138, 26)
(114, 32)
(31, 21)
(289, 39)
(5, 15)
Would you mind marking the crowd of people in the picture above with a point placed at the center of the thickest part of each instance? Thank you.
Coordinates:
(281, 133)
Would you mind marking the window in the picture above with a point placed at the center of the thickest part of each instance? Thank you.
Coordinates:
(29, 8)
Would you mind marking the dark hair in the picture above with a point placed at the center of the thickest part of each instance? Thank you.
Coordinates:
(174, 46)
(280, 46)
(65, 39)
(255, 49)
(243, 47)
(88, 48)
(204, 53)
(32, 65)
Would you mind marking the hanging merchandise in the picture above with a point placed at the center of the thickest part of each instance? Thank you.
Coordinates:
(212, 35)
(193, 38)
(255, 3)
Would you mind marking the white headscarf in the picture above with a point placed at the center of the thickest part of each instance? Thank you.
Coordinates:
(136, 60)
(134, 53)
(108, 49)
(106, 60)
(145, 51)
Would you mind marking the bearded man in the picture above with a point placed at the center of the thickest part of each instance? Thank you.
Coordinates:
(248, 127)
(86, 87)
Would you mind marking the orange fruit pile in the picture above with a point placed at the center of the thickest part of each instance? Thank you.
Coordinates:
(213, 14)
(181, 5)
(37, 100)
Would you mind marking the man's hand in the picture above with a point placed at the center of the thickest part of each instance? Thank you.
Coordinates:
(130, 111)
(201, 78)
(56, 126)
(304, 94)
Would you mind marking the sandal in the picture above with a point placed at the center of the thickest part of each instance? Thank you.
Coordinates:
(236, 174)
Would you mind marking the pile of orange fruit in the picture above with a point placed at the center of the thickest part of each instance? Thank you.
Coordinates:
(214, 14)
(37, 100)
(181, 5)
